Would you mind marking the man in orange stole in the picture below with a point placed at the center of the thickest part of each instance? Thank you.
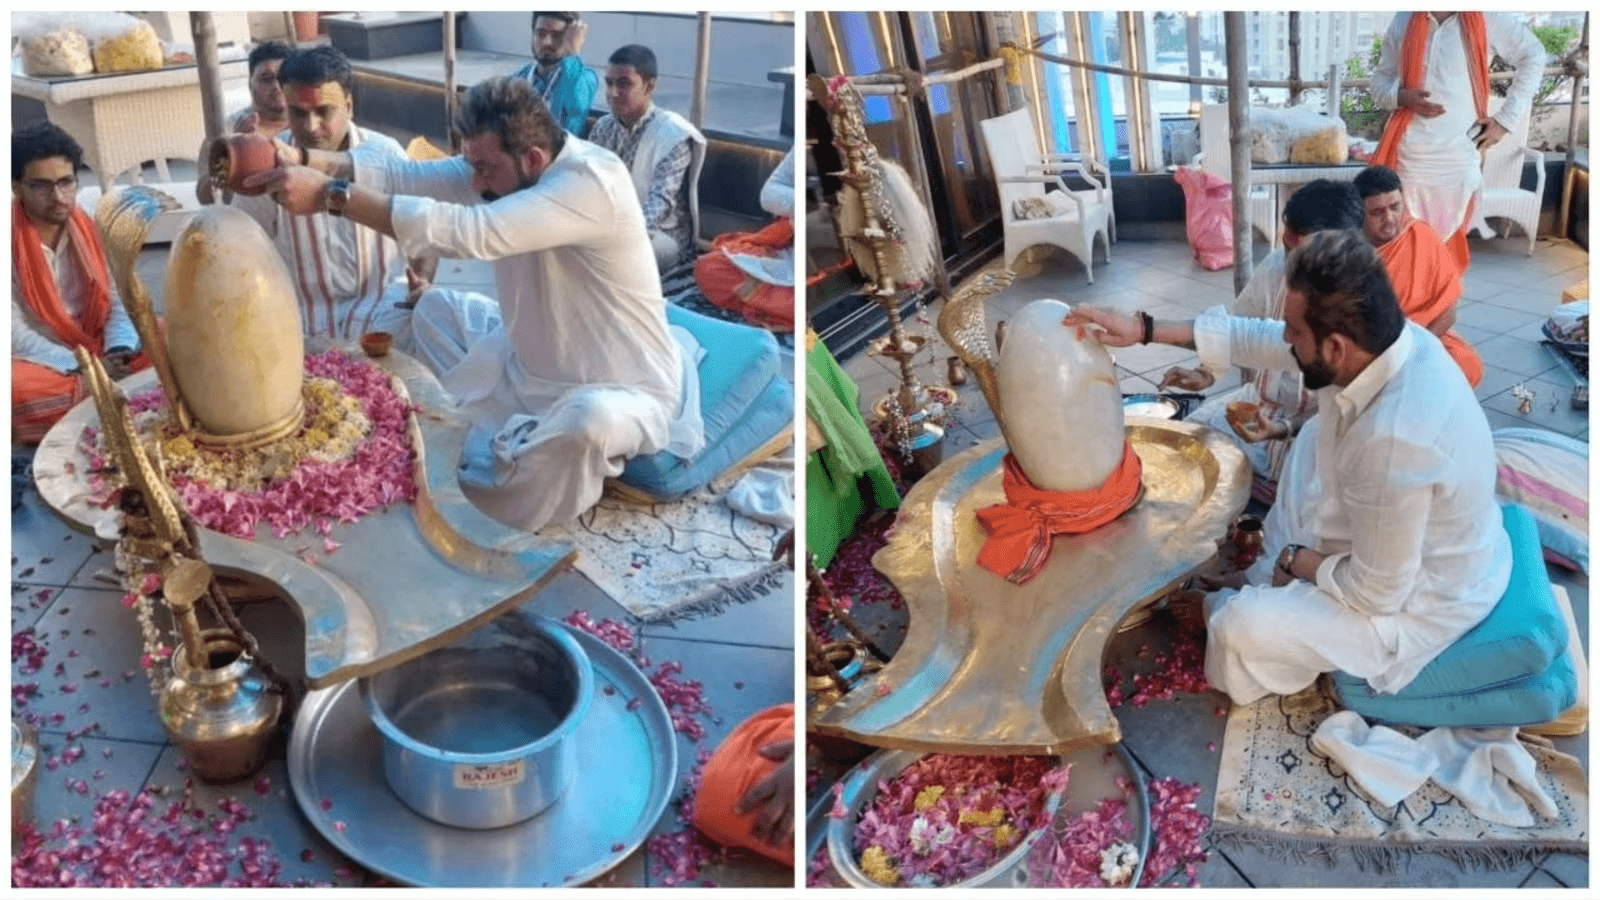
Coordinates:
(1421, 268)
(1433, 71)
(61, 291)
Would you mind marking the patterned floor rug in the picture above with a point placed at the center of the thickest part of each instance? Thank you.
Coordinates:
(1277, 793)
(666, 561)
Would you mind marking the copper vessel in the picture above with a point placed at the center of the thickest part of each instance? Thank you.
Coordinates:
(224, 716)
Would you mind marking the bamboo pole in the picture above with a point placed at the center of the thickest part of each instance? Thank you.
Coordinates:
(1569, 174)
(1295, 86)
(210, 71)
(702, 71)
(1224, 82)
(450, 98)
(1233, 25)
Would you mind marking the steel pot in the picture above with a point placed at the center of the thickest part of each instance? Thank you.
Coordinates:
(479, 734)
(24, 776)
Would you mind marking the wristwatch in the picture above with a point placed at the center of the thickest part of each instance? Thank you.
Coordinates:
(338, 196)
(1286, 559)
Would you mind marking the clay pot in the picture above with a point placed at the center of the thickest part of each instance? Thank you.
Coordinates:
(240, 156)
(377, 343)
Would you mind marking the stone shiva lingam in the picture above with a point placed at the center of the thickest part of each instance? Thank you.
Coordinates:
(1003, 651)
(232, 338)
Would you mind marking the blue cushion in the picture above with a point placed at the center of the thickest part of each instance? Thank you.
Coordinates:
(1510, 669)
(745, 401)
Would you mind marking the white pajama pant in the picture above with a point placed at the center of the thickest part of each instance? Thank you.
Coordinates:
(1265, 640)
(530, 467)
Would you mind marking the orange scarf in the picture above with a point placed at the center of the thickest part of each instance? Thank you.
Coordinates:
(1021, 529)
(1413, 65)
(38, 284)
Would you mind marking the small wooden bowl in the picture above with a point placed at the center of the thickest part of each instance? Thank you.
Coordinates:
(240, 156)
(376, 343)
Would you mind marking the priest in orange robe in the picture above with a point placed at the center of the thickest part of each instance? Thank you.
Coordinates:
(746, 792)
(1421, 268)
(61, 291)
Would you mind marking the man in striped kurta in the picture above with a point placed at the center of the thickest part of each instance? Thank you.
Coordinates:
(349, 279)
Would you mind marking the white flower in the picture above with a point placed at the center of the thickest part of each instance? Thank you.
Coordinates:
(1117, 862)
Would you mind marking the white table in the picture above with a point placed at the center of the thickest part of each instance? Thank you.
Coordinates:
(121, 121)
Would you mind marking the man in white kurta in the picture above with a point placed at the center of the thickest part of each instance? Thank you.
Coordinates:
(1283, 406)
(1403, 550)
(575, 368)
(1438, 161)
(349, 279)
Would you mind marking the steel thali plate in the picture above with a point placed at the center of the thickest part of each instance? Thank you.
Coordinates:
(628, 761)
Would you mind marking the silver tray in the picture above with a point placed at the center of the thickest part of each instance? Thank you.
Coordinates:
(627, 775)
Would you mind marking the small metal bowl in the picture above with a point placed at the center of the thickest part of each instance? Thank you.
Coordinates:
(1154, 406)
(478, 734)
(861, 785)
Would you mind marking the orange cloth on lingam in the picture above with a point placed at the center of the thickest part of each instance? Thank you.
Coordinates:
(1413, 66)
(732, 771)
(1021, 529)
(40, 395)
(1426, 283)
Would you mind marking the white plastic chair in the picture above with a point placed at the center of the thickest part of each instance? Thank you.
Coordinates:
(1216, 158)
(1022, 171)
(1503, 196)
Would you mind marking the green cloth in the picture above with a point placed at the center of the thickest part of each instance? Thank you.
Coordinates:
(835, 495)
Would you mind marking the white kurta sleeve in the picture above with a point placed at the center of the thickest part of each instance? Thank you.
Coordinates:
(444, 179)
(1224, 340)
(33, 345)
(529, 220)
(1389, 490)
(1385, 87)
(1516, 43)
(777, 195)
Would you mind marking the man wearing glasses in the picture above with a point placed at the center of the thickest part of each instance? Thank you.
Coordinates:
(62, 295)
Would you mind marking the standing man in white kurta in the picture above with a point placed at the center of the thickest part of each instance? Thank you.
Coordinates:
(1433, 70)
(350, 280)
(574, 369)
(1402, 549)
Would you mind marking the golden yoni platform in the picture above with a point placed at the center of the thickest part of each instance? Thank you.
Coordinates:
(992, 667)
(407, 578)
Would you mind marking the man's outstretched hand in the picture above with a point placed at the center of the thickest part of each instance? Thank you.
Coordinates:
(1112, 328)
(297, 189)
(774, 795)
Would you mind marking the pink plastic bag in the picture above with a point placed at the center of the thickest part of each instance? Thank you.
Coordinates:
(1208, 209)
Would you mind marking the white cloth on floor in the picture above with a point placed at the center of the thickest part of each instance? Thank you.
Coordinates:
(766, 494)
(1385, 764)
(1491, 773)
(1406, 516)
(578, 341)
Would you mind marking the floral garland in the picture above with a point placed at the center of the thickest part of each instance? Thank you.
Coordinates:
(352, 455)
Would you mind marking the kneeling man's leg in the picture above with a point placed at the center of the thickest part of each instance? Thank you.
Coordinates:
(1266, 640)
(446, 323)
(553, 472)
